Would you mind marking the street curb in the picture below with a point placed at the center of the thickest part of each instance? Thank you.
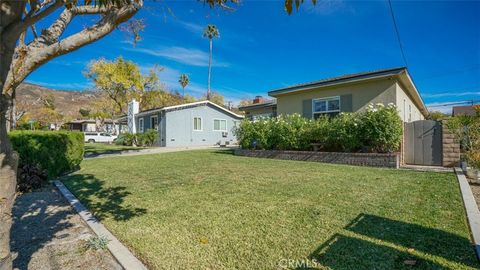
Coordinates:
(473, 213)
(121, 253)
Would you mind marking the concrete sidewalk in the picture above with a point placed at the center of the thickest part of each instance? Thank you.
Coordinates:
(156, 150)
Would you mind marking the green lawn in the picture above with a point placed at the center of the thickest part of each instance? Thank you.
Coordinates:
(212, 210)
(103, 148)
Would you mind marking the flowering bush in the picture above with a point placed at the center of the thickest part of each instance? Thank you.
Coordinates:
(343, 133)
(380, 128)
(377, 129)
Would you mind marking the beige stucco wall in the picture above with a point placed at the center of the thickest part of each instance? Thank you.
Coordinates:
(378, 91)
(407, 109)
(363, 93)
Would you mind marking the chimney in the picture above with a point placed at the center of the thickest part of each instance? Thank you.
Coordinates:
(133, 108)
(258, 99)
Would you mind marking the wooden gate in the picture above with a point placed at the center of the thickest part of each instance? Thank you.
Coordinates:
(423, 143)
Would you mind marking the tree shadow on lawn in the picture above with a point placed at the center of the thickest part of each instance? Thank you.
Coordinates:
(347, 252)
(103, 202)
(224, 151)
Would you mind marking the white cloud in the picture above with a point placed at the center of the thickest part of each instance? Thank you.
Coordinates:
(445, 107)
(64, 86)
(192, 27)
(69, 63)
(451, 94)
(188, 56)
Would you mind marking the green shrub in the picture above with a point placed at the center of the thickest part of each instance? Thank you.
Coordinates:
(343, 134)
(127, 139)
(467, 131)
(140, 139)
(57, 152)
(97, 242)
(378, 129)
(147, 139)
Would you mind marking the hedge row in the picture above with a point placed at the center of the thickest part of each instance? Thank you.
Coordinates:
(57, 152)
(148, 138)
(377, 129)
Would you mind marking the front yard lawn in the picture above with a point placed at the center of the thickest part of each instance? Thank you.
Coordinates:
(212, 210)
(93, 149)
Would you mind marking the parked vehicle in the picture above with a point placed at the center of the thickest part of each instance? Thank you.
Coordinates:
(103, 137)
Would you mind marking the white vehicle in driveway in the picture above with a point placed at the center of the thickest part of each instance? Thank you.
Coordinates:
(102, 137)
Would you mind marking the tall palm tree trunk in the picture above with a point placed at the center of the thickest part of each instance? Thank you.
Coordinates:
(209, 71)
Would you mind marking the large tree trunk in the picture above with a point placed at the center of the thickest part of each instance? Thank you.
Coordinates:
(10, 12)
(8, 176)
(18, 61)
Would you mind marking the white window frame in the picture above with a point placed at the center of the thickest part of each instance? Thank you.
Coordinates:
(140, 125)
(151, 121)
(201, 123)
(220, 130)
(326, 99)
(409, 112)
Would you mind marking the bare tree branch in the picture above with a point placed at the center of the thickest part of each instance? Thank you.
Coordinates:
(90, 10)
(29, 20)
(34, 31)
(48, 46)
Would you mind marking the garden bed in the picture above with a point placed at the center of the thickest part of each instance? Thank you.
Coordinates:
(390, 160)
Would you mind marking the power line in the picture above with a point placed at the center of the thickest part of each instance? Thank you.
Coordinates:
(472, 102)
(396, 31)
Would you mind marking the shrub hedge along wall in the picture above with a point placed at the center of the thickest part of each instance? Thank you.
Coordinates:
(377, 129)
(57, 152)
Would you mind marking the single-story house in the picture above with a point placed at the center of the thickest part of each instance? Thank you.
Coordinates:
(93, 125)
(200, 123)
(348, 93)
(465, 110)
(260, 108)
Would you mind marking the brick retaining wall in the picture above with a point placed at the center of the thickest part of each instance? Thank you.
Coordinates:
(390, 160)
(451, 148)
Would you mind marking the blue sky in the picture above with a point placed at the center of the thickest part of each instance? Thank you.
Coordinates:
(262, 48)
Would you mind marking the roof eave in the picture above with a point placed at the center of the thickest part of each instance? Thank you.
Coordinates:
(276, 93)
(186, 105)
(412, 89)
(257, 106)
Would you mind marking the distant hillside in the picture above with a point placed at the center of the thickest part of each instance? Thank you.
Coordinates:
(67, 103)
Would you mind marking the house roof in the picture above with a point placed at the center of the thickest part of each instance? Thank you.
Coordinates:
(463, 110)
(400, 72)
(82, 121)
(266, 104)
(186, 106)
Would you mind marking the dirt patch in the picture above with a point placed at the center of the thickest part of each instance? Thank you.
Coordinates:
(476, 192)
(48, 234)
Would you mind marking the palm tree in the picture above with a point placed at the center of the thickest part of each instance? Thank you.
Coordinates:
(183, 82)
(210, 32)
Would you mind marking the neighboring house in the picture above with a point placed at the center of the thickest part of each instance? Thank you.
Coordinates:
(465, 110)
(92, 125)
(192, 124)
(352, 93)
(260, 108)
